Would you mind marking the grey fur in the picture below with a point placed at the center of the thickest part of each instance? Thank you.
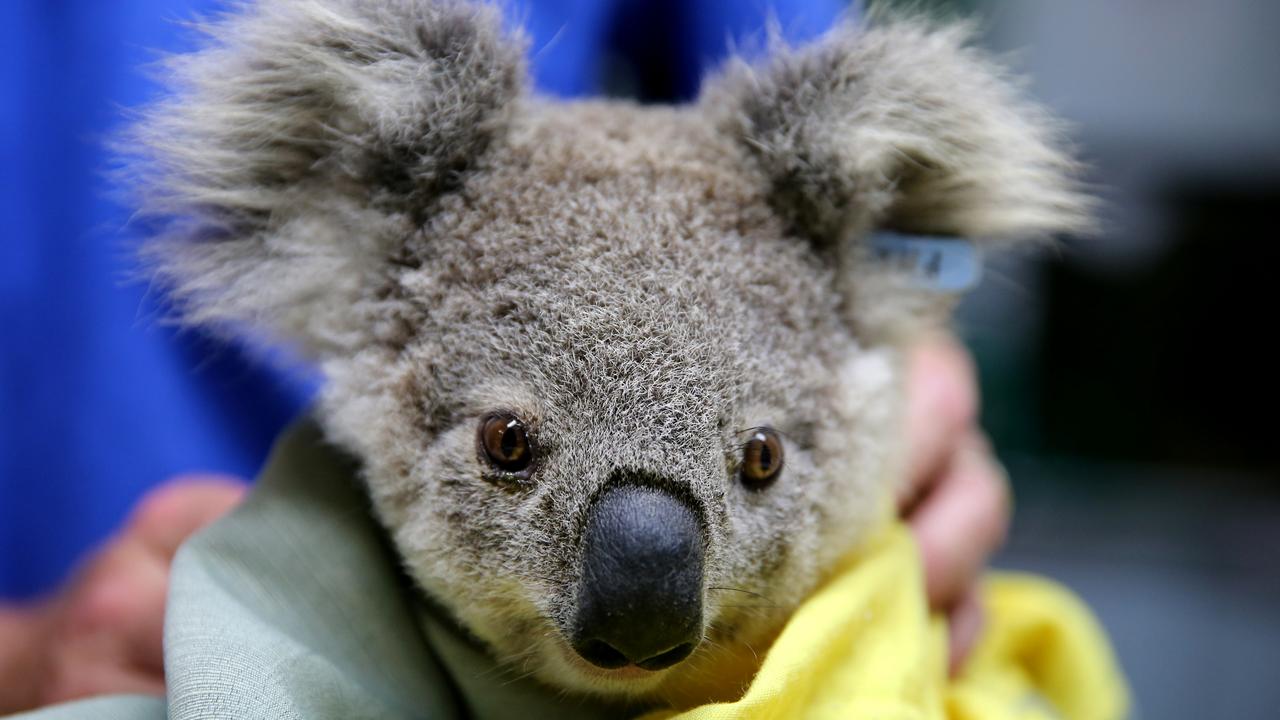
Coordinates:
(302, 144)
(905, 127)
(640, 285)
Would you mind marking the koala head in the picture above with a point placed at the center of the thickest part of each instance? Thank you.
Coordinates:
(621, 378)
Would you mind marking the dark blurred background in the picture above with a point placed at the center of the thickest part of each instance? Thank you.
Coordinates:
(1129, 379)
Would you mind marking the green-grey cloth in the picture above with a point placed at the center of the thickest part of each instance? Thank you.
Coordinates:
(294, 606)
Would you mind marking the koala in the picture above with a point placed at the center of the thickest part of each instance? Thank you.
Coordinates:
(622, 380)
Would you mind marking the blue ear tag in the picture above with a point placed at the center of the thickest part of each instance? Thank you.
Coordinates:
(937, 263)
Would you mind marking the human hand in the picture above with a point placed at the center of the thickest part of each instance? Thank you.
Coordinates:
(957, 498)
(102, 631)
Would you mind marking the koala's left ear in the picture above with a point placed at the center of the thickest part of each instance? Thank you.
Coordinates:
(904, 127)
(299, 150)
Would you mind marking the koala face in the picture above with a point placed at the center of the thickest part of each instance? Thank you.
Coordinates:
(624, 421)
(621, 379)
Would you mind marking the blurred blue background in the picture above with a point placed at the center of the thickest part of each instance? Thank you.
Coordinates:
(1128, 379)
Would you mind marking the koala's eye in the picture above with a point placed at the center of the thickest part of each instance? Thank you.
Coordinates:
(761, 459)
(505, 442)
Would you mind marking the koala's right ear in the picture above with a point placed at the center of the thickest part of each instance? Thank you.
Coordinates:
(901, 126)
(301, 147)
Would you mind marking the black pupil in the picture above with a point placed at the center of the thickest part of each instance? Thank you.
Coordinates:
(766, 455)
(511, 442)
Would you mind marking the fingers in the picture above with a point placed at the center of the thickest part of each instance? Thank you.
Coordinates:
(114, 614)
(963, 629)
(942, 407)
(142, 635)
(957, 496)
(107, 627)
(100, 634)
(98, 631)
(961, 521)
(23, 662)
(162, 521)
(170, 514)
(78, 682)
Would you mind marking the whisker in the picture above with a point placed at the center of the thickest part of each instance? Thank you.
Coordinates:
(740, 590)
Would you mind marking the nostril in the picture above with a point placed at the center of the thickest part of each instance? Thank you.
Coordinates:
(668, 658)
(602, 654)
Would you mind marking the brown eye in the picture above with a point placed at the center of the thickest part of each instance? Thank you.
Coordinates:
(761, 459)
(505, 443)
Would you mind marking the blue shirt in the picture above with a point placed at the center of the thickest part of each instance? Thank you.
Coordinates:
(100, 401)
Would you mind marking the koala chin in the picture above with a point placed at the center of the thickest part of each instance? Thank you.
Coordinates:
(623, 380)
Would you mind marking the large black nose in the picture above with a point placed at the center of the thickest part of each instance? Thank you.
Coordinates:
(640, 598)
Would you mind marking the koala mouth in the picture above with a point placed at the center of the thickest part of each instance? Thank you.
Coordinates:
(640, 596)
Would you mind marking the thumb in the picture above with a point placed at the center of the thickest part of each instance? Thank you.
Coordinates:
(171, 513)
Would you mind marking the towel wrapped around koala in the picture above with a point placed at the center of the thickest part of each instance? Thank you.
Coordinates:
(294, 607)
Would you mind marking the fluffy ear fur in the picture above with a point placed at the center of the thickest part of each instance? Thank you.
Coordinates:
(901, 126)
(301, 146)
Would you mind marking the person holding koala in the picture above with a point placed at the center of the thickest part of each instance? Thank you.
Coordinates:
(600, 371)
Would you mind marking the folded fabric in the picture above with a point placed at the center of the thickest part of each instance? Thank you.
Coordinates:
(294, 606)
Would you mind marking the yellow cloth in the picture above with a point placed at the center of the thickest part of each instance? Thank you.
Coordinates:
(865, 646)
